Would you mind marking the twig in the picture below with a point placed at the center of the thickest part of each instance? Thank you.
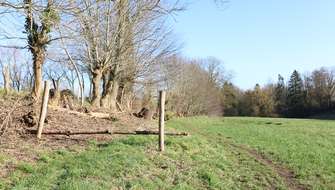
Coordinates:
(8, 118)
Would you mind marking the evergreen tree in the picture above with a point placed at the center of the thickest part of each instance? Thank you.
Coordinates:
(295, 96)
(280, 96)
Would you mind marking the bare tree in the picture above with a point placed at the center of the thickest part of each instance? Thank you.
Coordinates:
(40, 17)
(38, 38)
(146, 42)
(91, 29)
(6, 77)
(192, 90)
(120, 40)
(17, 76)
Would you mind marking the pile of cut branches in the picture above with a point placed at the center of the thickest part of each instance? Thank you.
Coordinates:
(6, 117)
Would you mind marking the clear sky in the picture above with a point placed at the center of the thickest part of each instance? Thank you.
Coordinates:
(258, 39)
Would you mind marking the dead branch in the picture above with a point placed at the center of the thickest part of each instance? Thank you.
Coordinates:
(90, 114)
(8, 118)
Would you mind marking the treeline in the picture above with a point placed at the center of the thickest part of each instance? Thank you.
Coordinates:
(300, 96)
(203, 87)
(120, 53)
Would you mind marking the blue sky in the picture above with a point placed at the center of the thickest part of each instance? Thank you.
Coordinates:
(258, 39)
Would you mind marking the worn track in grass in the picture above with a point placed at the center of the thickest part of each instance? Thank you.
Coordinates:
(287, 175)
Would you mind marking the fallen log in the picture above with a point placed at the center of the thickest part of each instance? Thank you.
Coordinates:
(90, 114)
(70, 133)
(153, 133)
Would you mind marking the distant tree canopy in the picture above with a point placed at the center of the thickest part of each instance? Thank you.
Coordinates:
(301, 97)
(195, 88)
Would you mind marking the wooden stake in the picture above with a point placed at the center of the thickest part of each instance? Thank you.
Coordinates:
(161, 103)
(44, 108)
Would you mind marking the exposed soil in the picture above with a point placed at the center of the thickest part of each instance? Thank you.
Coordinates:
(285, 173)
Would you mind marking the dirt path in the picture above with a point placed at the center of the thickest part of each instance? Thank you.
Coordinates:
(285, 173)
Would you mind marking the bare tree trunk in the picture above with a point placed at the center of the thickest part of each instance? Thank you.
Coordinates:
(96, 80)
(82, 89)
(37, 67)
(91, 88)
(109, 96)
(6, 77)
(107, 85)
(105, 79)
(113, 96)
(54, 98)
(128, 95)
(111, 89)
(105, 101)
(120, 93)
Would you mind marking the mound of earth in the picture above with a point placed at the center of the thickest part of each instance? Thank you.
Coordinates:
(18, 117)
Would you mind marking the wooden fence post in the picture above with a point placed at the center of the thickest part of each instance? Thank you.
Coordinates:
(161, 104)
(44, 108)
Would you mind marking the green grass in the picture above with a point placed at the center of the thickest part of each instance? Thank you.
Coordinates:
(305, 146)
(202, 161)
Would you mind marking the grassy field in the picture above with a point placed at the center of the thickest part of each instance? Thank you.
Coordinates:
(221, 153)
